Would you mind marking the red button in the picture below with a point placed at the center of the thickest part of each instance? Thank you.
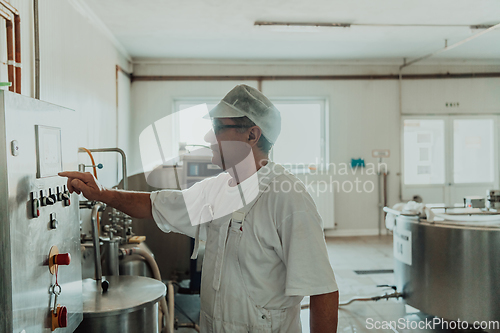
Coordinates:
(62, 259)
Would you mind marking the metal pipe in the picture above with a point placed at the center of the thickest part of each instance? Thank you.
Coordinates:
(17, 46)
(37, 49)
(312, 77)
(379, 204)
(17, 40)
(9, 7)
(129, 75)
(10, 54)
(111, 256)
(124, 161)
(363, 299)
(446, 48)
(96, 208)
(5, 15)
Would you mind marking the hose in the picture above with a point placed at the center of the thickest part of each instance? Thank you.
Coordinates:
(168, 311)
(92, 159)
(171, 306)
(363, 299)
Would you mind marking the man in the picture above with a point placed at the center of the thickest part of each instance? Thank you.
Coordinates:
(265, 247)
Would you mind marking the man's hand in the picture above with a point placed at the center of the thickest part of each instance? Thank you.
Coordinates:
(324, 313)
(84, 182)
(135, 204)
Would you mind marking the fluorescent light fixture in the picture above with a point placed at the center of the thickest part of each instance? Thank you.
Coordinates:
(299, 26)
(481, 26)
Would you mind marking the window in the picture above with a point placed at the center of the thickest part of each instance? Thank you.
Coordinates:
(424, 151)
(473, 151)
(192, 127)
(304, 132)
(302, 141)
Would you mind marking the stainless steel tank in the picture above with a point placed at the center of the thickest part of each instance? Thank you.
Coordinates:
(449, 269)
(129, 305)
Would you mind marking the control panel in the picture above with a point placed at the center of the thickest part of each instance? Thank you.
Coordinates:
(40, 261)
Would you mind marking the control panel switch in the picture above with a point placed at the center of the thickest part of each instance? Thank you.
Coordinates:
(45, 200)
(35, 206)
(53, 221)
(66, 197)
(62, 259)
(56, 259)
(52, 196)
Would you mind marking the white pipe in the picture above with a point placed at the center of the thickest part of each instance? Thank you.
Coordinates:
(169, 316)
(446, 48)
(171, 306)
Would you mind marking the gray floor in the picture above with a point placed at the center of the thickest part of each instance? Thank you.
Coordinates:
(348, 254)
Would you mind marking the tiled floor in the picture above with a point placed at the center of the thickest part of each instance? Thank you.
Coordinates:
(348, 254)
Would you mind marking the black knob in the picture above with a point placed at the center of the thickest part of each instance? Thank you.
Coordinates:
(105, 286)
(49, 201)
(53, 198)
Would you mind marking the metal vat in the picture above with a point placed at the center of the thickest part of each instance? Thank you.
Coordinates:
(129, 305)
(451, 269)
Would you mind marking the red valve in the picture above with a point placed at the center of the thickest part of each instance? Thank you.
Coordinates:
(60, 317)
(62, 259)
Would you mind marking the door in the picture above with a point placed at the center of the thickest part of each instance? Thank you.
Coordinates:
(446, 158)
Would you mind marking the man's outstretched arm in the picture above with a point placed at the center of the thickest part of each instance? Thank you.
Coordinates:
(135, 204)
(324, 313)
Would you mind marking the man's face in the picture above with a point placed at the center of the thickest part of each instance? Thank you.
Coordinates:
(229, 146)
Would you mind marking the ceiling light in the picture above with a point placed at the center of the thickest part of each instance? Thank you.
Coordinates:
(480, 26)
(299, 26)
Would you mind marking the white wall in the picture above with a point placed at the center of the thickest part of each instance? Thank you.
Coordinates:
(363, 115)
(77, 60)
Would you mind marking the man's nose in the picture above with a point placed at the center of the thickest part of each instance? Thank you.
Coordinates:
(210, 137)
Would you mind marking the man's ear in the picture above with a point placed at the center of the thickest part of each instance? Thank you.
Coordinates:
(254, 135)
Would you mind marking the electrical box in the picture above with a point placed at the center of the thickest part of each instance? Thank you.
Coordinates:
(39, 220)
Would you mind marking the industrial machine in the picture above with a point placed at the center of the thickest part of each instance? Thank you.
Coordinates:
(114, 303)
(40, 271)
(447, 266)
(41, 286)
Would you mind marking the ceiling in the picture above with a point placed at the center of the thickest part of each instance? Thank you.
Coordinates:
(224, 29)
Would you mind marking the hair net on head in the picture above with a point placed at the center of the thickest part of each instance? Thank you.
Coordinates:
(243, 101)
